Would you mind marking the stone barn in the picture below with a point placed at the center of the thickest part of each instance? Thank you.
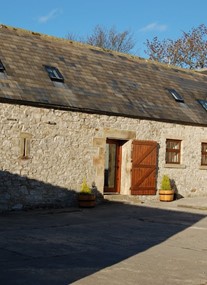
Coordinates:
(71, 111)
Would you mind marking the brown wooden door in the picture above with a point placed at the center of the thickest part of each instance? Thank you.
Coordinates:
(144, 167)
(112, 166)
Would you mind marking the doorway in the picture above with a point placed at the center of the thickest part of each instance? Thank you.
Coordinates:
(112, 172)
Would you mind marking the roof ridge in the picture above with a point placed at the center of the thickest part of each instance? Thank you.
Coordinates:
(85, 45)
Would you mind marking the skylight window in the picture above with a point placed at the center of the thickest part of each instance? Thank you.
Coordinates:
(54, 73)
(2, 68)
(203, 103)
(176, 95)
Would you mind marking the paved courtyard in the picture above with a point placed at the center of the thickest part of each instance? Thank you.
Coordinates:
(114, 243)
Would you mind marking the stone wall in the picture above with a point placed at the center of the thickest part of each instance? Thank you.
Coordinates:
(66, 146)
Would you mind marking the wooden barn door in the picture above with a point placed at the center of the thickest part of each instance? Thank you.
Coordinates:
(144, 168)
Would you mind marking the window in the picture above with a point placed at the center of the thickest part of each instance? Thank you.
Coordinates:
(54, 73)
(25, 145)
(2, 68)
(173, 148)
(203, 153)
(203, 103)
(176, 95)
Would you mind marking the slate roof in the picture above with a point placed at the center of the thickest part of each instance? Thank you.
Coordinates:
(95, 80)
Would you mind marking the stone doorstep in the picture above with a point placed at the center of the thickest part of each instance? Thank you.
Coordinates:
(122, 198)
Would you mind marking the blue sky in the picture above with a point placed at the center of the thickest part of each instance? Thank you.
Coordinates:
(146, 19)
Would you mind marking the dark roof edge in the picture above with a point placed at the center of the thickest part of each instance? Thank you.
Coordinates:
(91, 111)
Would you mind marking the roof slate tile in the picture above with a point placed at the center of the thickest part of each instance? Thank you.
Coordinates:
(95, 80)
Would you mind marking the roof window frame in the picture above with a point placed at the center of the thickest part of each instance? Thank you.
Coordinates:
(2, 68)
(54, 73)
(175, 95)
(203, 103)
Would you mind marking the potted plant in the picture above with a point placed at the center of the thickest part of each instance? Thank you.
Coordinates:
(166, 192)
(85, 197)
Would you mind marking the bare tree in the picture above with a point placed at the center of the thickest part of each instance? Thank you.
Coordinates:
(75, 37)
(109, 39)
(189, 51)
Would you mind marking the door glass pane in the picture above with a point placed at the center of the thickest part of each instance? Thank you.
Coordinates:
(204, 154)
(110, 166)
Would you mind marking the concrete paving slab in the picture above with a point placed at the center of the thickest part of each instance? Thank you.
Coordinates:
(113, 243)
(197, 203)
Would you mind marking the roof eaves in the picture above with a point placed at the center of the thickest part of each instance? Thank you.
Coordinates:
(92, 111)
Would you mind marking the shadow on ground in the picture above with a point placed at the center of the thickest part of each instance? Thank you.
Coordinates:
(22, 192)
(63, 246)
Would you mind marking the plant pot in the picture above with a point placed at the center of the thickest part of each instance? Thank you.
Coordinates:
(166, 195)
(86, 200)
